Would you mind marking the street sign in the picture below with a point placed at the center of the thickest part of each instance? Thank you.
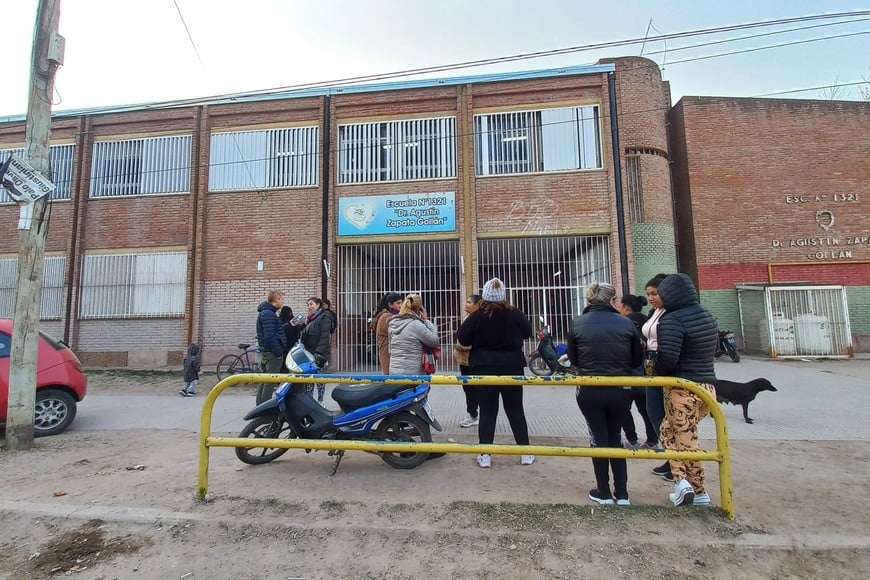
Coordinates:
(23, 182)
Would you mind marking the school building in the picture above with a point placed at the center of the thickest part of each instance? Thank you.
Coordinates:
(171, 221)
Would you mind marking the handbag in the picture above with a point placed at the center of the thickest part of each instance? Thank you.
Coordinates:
(431, 354)
(461, 354)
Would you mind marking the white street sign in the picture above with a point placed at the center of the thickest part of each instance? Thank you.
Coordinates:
(23, 182)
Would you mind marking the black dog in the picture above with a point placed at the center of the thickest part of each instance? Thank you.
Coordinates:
(741, 393)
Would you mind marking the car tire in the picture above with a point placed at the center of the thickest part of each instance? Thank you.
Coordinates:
(54, 412)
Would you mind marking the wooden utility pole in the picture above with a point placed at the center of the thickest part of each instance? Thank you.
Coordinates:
(46, 57)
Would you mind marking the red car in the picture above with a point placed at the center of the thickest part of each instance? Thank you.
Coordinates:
(60, 382)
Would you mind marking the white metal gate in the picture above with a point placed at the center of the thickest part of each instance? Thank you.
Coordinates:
(795, 321)
(546, 277)
(367, 271)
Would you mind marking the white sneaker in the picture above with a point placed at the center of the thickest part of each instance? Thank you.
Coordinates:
(469, 422)
(484, 460)
(623, 501)
(527, 459)
(702, 499)
(683, 494)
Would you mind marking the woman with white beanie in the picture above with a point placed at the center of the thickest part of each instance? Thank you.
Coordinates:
(496, 332)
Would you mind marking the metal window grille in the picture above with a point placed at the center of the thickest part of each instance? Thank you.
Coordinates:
(270, 158)
(795, 321)
(152, 165)
(51, 306)
(634, 188)
(397, 150)
(557, 139)
(546, 277)
(366, 272)
(60, 159)
(133, 285)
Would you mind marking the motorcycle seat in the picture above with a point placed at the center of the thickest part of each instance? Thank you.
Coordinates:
(356, 396)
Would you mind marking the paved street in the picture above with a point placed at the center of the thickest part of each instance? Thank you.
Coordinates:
(816, 401)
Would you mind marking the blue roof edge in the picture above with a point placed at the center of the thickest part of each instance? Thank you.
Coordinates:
(332, 90)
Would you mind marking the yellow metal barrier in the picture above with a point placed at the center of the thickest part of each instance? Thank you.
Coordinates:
(721, 455)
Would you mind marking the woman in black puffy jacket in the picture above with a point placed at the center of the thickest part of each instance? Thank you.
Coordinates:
(603, 342)
(687, 336)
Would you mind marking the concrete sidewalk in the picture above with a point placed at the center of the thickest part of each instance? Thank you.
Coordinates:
(816, 401)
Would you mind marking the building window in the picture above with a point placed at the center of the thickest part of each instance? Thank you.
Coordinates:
(141, 166)
(60, 160)
(397, 150)
(561, 139)
(51, 307)
(133, 285)
(263, 159)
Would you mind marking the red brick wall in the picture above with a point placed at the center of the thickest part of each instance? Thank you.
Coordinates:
(776, 181)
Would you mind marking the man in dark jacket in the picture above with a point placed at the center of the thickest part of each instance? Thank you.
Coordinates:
(687, 336)
(270, 338)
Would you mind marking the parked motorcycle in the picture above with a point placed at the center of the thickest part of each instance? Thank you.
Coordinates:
(376, 412)
(550, 357)
(727, 344)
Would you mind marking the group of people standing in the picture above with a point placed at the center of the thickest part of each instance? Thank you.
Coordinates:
(278, 330)
(678, 339)
(490, 342)
(612, 337)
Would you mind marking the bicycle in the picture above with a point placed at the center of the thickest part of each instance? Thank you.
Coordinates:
(233, 364)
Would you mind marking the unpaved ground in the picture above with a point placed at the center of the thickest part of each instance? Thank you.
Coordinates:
(121, 504)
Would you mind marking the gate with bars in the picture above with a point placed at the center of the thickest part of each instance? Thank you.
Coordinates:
(790, 321)
(545, 276)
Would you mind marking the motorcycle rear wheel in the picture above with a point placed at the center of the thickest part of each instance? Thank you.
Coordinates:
(274, 427)
(732, 352)
(404, 426)
(539, 366)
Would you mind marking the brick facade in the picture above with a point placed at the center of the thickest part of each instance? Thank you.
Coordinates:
(226, 234)
(760, 187)
(771, 190)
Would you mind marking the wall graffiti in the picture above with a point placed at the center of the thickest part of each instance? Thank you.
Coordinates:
(536, 216)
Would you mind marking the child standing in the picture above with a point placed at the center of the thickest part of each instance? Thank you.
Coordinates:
(192, 371)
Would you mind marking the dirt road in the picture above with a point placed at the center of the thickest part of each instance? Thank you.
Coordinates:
(120, 504)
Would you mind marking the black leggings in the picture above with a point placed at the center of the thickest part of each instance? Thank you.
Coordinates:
(471, 403)
(638, 397)
(511, 396)
(605, 409)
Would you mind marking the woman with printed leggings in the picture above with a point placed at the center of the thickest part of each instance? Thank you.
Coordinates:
(687, 337)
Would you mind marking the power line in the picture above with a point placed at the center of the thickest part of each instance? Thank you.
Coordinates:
(747, 50)
(752, 36)
(834, 86)
(518, 57)
(187, 30)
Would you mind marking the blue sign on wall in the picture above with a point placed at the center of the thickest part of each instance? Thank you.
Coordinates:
(407, 213)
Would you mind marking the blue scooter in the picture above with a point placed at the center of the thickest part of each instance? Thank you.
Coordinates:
(372, 412)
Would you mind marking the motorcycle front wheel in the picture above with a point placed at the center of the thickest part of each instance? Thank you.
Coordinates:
(539, 366)
(404, 426)
(274, 427)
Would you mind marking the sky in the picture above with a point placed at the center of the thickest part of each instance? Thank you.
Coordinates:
(122, 52)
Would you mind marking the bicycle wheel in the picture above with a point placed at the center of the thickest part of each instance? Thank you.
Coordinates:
(229, 365)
